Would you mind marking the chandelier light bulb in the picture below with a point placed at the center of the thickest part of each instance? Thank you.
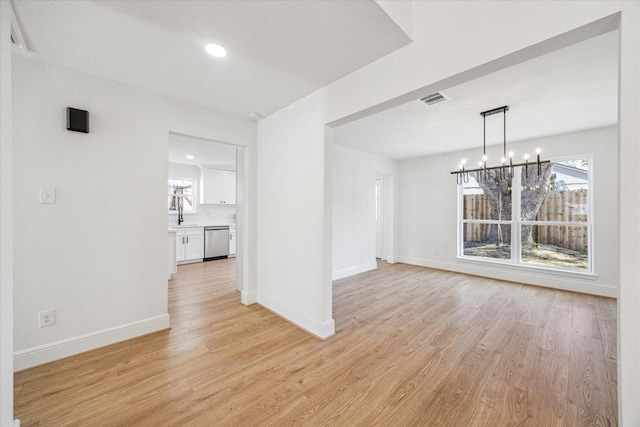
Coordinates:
(510, 154)
(526, 156)
(503, 160)
(538, 150)
(484, 158)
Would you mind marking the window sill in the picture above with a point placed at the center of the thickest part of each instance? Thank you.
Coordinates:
(586, 275)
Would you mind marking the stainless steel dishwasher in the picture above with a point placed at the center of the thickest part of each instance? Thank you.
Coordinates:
(216, 242)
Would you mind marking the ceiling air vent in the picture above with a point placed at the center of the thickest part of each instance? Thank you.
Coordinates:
(434, 98)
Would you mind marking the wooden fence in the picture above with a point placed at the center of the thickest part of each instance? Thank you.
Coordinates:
(561, 206)
(476, 206)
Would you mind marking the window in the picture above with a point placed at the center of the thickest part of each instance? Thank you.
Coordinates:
(181, 195)
(528, 219)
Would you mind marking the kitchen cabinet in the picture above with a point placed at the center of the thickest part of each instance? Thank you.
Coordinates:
(229, 187)
(217, 186)
(232, 240)
(180, 242)
(172, 252)
(189, 244)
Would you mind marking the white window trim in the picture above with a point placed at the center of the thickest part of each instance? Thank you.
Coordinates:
(516, 246)
(528, 268)
(193, 184)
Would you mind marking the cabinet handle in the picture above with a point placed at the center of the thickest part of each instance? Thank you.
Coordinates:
(183, 240)
(187, 240)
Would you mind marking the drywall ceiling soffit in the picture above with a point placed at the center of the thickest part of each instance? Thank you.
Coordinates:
(278, 51)
(568, 90)
(206, 153)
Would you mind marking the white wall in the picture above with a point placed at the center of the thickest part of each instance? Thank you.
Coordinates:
(354, 222)
(6, 222)
(291, 216)
(354, 233)
(98, 255)
(427, 206)
(629, 177)
(204, 214)
(453, 42)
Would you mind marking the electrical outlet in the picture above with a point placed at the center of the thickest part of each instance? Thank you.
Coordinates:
(47, 318)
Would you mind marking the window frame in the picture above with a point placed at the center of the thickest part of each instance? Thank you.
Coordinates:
(193, 195)
(516, 224)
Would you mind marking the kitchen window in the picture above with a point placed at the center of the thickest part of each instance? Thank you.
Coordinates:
(528, 219)
(181, 192)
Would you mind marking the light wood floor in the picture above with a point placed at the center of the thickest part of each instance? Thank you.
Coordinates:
(414, 347)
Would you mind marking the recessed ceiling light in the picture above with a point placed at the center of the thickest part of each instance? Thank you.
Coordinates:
(190, 157)
(215, 50)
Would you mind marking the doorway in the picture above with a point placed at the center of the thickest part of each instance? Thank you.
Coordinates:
(215, 197)
(379, 203)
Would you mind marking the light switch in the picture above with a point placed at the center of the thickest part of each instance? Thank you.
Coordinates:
(47, 195)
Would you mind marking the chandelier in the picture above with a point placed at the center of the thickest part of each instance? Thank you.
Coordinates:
(482, 171)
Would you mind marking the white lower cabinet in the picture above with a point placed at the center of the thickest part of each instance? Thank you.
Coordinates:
(232, 240)
(194, 248)
(190, 244)
(172, 252)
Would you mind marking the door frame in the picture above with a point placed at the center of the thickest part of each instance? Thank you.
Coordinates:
(379, 212)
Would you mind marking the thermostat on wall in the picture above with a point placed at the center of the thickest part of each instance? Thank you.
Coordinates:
(77, 120)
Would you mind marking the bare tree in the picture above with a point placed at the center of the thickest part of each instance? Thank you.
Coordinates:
(497, 189)
(534, 190)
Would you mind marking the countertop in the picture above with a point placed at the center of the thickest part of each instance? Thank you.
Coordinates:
(176, 227)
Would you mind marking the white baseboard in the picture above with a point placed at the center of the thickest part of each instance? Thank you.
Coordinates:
(322, 330)
(352, 271)
(16, 423)
(544, 279)
(248, 298)
(34, 356)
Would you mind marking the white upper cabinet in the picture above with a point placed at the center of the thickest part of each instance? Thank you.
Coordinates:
(229, 187)
(217, 186)
(210, 186)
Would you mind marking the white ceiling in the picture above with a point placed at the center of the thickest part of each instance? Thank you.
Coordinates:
(278, 51)
(572, 89)
(205, 152)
